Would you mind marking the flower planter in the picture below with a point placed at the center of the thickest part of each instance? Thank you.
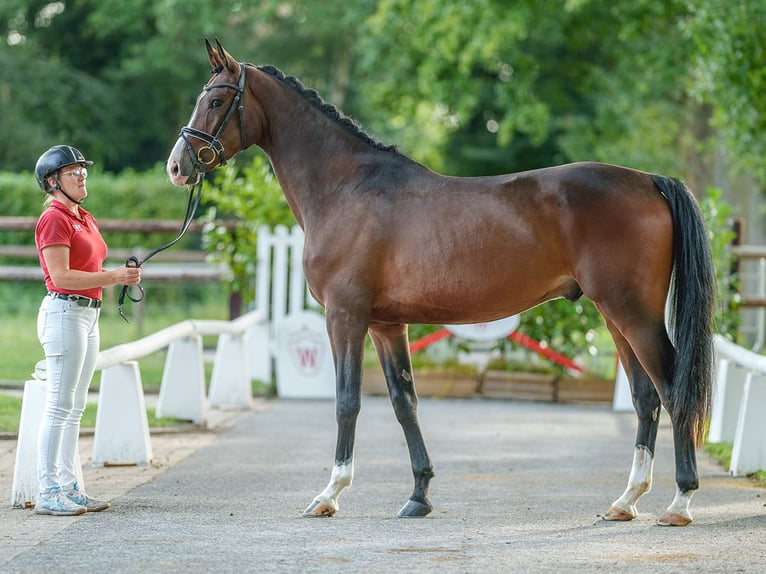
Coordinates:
(519, 386)
(428, 383)
(585, 390)
(546, 387)
(522, 386)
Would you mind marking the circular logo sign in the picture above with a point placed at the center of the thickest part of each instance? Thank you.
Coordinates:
(486, 331)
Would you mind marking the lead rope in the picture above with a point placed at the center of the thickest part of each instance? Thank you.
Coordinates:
(195, 194)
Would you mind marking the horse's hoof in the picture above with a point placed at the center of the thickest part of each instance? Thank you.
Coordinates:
(617, 514)
(318, 508)
(674, 519)
(415, 509)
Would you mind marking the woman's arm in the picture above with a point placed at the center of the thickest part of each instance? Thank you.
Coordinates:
(57, 261)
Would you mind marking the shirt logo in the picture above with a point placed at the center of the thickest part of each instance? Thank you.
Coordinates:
(77, 227)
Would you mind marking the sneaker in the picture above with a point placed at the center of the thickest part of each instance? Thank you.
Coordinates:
(91, 504)
(56, 504)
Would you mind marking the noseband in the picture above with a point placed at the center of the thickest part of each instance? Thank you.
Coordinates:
(214, 149)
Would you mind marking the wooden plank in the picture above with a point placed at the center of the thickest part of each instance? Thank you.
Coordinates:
(125, 225)
(164, 272)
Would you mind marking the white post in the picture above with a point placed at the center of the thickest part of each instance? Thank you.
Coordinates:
(122, 428)
(297, 280)
(263, 271)
(622, 400)
(25, 486)
(727, 398)
(259, 352)
(182, 392)
(748, 452)
(279, 277)
(230, 383)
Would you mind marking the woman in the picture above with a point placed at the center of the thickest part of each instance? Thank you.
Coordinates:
(72, 253)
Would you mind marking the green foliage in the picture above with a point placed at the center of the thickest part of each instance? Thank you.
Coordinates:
(730, 74)
(166, 304)
(128, 195)
(721, 453)
(717, 214)
(251, 196)
(470, 87)
(567, 328)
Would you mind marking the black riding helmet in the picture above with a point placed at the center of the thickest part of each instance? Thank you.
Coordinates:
(54, 159)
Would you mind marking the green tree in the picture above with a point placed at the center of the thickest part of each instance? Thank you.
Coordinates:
(729, 74)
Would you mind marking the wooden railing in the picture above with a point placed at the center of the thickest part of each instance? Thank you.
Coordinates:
(170, 265)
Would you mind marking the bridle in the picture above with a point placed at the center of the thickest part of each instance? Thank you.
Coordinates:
(202, 159)
(214, 150)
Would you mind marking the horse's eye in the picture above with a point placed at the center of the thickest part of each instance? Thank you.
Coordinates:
(216, 103)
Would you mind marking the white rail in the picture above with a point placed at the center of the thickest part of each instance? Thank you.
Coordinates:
(186, 329)
(739, 406)
(122, 431)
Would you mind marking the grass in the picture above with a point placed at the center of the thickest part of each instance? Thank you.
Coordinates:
(162, 308)
(721, 452)
(10, 412)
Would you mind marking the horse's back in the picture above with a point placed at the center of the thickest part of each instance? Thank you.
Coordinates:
(448, 249)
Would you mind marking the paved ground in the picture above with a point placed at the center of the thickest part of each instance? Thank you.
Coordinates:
(519, 488)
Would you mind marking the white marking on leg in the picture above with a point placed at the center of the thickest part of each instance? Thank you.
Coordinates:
(639, 481)
(680, 504)
(341, 478)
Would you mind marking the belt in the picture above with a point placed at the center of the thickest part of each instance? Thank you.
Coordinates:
(79, 299)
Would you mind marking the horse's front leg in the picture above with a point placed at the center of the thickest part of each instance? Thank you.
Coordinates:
(393, 350)
(347, 341)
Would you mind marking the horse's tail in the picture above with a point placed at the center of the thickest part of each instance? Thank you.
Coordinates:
(692, 300)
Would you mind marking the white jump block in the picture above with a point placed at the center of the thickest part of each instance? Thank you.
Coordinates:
(182, 392)
(122, 428)
(259, 352)
(304, 362)
(230, 383)
(749, 449)
(622, 402)
(25, 484)
(727, 398)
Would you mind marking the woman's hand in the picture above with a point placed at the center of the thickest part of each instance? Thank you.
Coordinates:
(127, 275)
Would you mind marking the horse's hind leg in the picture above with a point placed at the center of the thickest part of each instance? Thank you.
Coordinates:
(651, 345)
(647, 404)
(393, 350)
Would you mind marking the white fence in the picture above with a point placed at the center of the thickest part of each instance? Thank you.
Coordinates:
(739, 406)
(245, 351)
(122, 430)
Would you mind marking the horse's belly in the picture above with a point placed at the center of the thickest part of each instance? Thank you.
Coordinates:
(466, 297)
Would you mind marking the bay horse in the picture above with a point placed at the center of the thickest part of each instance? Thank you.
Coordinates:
(389, 242)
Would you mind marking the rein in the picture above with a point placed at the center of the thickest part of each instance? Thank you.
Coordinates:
(202, 159)
(195, 194)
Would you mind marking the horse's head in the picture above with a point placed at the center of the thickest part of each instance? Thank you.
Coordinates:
(216, 129)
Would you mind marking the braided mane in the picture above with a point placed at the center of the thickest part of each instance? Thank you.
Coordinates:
(313, 97)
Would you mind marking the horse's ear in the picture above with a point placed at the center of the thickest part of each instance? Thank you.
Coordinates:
(212, 55)
(225, 58)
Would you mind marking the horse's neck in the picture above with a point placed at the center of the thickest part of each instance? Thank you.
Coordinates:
(311, 154)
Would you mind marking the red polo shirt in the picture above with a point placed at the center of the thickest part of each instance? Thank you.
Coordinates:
(87, 250)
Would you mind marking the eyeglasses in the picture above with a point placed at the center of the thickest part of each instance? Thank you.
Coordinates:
(77, 172)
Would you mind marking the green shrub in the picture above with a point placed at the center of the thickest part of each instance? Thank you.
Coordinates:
(250, 195)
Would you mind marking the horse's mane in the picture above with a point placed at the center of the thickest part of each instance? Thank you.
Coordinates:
(313, 97)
